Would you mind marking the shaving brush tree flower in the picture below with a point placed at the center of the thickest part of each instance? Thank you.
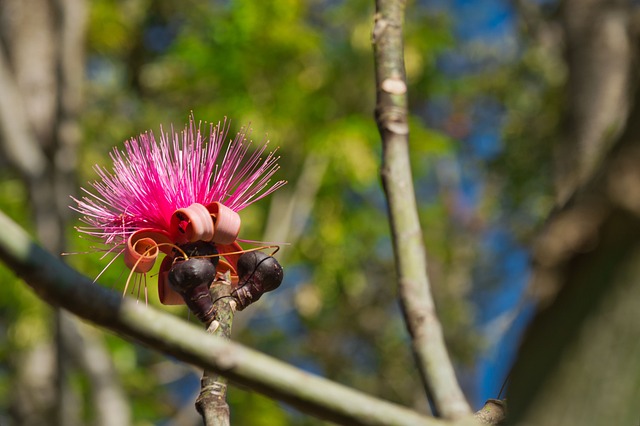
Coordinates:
(179, 196)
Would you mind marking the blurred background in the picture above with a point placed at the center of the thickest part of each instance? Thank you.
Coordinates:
(490, 99)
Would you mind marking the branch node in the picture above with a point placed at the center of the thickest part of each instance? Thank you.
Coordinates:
(379, 27)
(394, 85)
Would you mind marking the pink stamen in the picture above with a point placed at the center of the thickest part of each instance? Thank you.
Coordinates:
(151, 179)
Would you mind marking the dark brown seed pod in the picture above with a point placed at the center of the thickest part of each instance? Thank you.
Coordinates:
(191, 279)
(258, 273)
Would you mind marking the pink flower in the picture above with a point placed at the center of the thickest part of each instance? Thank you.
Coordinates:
(184, 188)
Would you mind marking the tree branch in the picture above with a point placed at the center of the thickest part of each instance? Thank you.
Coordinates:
(20, 145)
(60, 285)
(599, 55)
(436, 370)
(494, 412)
(71, 22)
(212, 400)
(87, 350)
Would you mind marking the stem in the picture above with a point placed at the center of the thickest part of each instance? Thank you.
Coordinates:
(428, 345)
(212, 401)
(60, 285)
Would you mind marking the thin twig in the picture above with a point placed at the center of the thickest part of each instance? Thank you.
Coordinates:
(436, 370)
(60, 285)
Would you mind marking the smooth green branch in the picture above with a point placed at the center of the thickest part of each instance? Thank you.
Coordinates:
(428, 344)
(60, 285)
